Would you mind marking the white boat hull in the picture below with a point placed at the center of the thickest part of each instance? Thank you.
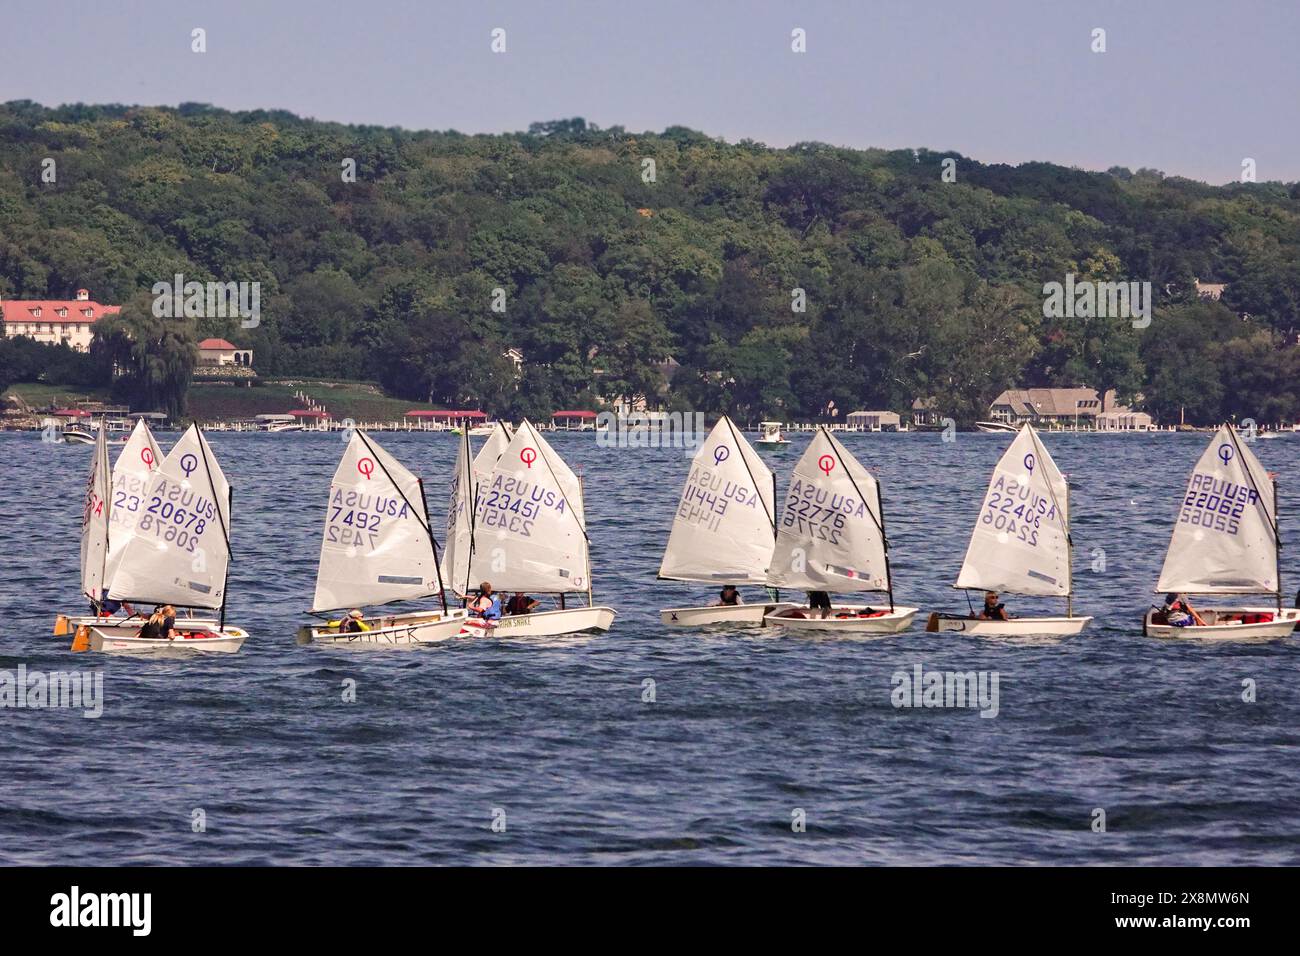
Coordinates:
(574, 620)
(403, 630)
(843, 619)
(1282, 624)
(738, 614)
(1016, 627)
(126, 640)
(67, 624)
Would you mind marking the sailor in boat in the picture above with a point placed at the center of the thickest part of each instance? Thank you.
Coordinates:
(521, 603)
(161, 624)
(353, 622)
(820, 601)
(1179, 612)
(729, 596)
(993, 610)
(488, 603)
(107, 607)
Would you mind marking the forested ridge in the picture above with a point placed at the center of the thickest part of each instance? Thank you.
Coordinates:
(910, 285)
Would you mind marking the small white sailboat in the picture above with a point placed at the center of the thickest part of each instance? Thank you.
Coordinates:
(377, 547)
(1225, 541)
(530, 536)
(1020, 544)
(770, 435)
(131, 474)
(724, 529)
(831, 538)
(177, 553)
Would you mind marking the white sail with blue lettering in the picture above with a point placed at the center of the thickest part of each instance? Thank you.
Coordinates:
(492, 449)
(139, 459)
(1021, 541)
(95, 520)
(830, 535)
(179, 549)
(723, 530)
(376, 546)
(529, 527)
(1225, 537)
(459, 538)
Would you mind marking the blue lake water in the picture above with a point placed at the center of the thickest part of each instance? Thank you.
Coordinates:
(746, 729)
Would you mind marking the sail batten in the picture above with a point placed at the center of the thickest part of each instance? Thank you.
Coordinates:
(1021, 540)
(529, 524)
(1225, 537)
(723, 529)
(376, 546)
(830, 535)
(178, 550)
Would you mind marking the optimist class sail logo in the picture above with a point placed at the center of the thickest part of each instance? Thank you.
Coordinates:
(146, 456)
(1030, 461)
(188, 464)
(827, 464)
(1226, 453)
(366, 466)
(721, 454)
(528, 456)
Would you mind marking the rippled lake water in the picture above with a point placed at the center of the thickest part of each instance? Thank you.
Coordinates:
(747, 728)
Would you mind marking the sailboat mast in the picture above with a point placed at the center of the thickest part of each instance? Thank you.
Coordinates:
(225, 584)
(884, 541)
(1277, 543)
(108, 511)
(1069, 553)
(433, 543)
(225, 531)
(591, 601)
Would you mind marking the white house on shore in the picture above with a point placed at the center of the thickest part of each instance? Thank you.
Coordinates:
(56, 320)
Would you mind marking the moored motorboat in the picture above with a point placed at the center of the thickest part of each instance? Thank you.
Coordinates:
(770, 435)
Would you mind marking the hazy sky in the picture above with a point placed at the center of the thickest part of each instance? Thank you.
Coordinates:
(1188, 86)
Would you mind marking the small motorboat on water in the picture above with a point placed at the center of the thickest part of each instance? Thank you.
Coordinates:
(995, 427)
(1225, 542)
(770, 435)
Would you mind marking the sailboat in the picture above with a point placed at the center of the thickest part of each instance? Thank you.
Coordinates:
(378, 547)
(1225, 541)
(724, 529)
(177, 552)
(831, 537)
(530, 535)
(1020, 544)
(130, 477)
(471, 474)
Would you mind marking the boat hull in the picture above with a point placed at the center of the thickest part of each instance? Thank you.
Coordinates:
(738, 614)
(65, 624)
(1017, 627)
(574, 620)
(891, 622)
(1216, 628)
(407, 630)
(123, 640)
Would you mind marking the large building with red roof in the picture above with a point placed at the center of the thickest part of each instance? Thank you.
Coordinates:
(55, 320)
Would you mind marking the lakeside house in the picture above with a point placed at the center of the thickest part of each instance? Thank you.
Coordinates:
(52, 321)
(1067, 408)
(875, 421)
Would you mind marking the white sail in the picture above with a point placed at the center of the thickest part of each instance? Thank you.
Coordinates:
(460, 521)
(829, 535)
(529, 526)
(179, 550)
(1021, 539)
(139, 459)
(95, 520)
(723, 529)
(492, 449)
(376, 546)
(1225, 536)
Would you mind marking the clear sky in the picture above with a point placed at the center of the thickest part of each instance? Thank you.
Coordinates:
(1191, 87)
